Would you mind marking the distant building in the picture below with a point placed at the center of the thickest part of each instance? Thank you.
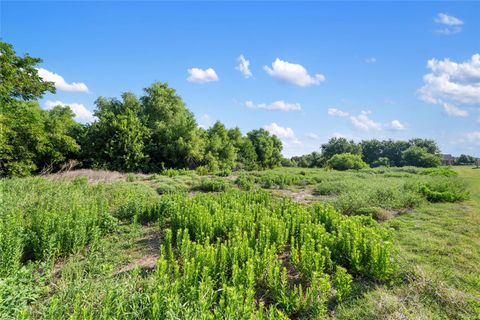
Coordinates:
(448, 160)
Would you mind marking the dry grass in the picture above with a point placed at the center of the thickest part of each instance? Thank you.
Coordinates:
(93, 176)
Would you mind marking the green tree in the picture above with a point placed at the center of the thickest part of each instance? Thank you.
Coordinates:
(60, 143)
(116, 140)
(174, 139)
(337, 146)
(428, 145)
(419, 157)
(220, 151)
(246, 155)
(267, 147)
(32, 139)
(19, 79)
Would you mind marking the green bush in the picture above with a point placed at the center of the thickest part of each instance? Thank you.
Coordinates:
(245, 182)
(343, 283)
(211, 185)
(346, 161)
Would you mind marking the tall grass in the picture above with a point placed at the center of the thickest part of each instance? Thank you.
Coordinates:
(42, 219)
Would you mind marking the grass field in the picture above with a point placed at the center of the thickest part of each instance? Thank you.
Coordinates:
(132, 247)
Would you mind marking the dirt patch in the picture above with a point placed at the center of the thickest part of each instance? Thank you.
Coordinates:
(92, 175)
(149, 250)
(301, 195)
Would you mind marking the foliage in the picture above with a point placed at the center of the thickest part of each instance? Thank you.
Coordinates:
(343, 283)
(19, 79)
(338, 146)
(419, 157)
(346, 161)
(267, 147)
(32, 139)
(211, 185)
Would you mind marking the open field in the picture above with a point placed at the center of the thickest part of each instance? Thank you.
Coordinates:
(396, 243)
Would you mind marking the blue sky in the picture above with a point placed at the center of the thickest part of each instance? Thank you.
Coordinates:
(315, 69)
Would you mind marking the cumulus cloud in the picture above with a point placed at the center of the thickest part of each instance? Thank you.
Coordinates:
(454, 111)
(363, 122)
(293, 73)
(451, 24)
(197, 75)
(82, 114)
(276, 105)
(279, 131)
(334, 112)
(473, 137)
(312, 136)
(452, 83)
(60, 83)
(244, 67)
(397, 125)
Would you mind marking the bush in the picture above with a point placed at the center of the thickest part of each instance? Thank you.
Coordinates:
(343, 283)
(211, 185)
(346, 161)
(419, 157)
(245, 182)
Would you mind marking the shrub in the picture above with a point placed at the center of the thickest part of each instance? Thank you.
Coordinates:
(211, 185)
(419, 157)
(346, 161)
(343, 283)
(245, 182)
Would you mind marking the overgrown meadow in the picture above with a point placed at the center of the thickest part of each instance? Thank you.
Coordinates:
(182, 245)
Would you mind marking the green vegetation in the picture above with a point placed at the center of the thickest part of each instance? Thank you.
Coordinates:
(386, 235)
(154, 132)
(346, 161)
(78, 250)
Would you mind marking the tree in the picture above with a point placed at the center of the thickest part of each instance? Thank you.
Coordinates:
(465, 159)
(220, 150)
(19, 79)
(419, 157)
(428, 145)
(60, 143)
(116, 140)
(267, 147)
(346, 161)
(246, 155)
(337, 146)
(32, 139)
(174, 139)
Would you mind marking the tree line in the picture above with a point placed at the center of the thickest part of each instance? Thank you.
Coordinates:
(130, 133)
(153, 132)
(415, 152)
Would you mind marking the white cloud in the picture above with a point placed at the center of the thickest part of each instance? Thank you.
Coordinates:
(454, 111)
(293, 73)
(244, 67)
(276, 105)
(445, 19)
(452, 24)
(452, 83)
(198, 75)
(82, 114)
(397, 125)
(473, 137)
(334, 112)
(281, 132)
(363, 122)
(312, 136)
(60, 83)
(205, 121)
(370, 60)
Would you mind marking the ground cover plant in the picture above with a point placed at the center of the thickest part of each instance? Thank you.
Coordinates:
(224, 247)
